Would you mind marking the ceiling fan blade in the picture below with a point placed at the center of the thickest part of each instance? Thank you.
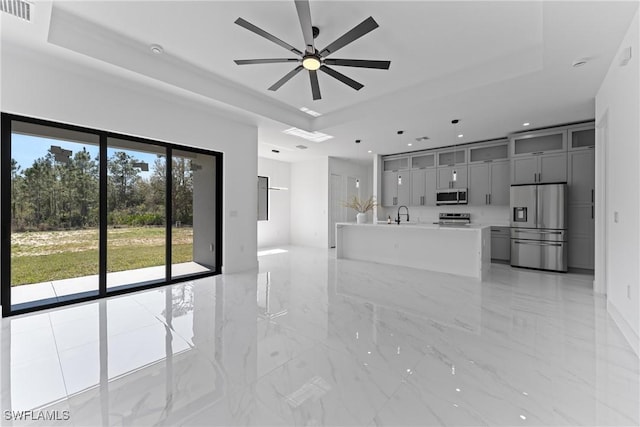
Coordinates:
(382, 65)
(259, 31)
(315, 86)
(264, 61)
(339, 76)
(304, 15)
(355, 33)
(286, 78)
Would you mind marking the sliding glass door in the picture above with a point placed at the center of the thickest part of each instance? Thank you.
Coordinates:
(193, 202)
(87, 213)
(54, 214)
(136, 213)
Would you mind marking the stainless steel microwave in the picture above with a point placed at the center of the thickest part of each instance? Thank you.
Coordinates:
(452, 196)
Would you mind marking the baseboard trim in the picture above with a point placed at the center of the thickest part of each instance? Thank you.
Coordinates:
(622, 324)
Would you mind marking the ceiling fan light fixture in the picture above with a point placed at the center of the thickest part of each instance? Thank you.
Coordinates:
(311, 62)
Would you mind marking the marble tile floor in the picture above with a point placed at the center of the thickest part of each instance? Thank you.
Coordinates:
(311, 340)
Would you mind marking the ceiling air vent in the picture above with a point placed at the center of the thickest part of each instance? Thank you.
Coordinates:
(302, 147)
(18, 8)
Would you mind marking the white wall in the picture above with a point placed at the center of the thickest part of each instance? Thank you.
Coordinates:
(309, 203)
(276, 231)
(618, 100)
(38, 85)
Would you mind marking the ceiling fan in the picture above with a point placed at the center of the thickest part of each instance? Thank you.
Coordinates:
(313, 59)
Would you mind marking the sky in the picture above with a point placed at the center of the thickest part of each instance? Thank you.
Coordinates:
(27, 148)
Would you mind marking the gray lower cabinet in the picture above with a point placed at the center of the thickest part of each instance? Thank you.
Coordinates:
(489, 183)
(539, 168)
(445, 177)
(500, 244)
(423, 187)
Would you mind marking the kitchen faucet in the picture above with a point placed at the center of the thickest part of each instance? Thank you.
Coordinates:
(407, 214)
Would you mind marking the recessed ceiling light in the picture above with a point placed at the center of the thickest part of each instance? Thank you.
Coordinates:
(579, 62)
(156, 48)
(460, 135)
(310, 112)
(409, 144)
(302, 147)
(526, 124)
(369, 151)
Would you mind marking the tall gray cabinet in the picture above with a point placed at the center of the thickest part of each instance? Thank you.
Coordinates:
(581, 183)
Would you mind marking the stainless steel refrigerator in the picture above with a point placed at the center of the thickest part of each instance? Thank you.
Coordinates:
(539, 226)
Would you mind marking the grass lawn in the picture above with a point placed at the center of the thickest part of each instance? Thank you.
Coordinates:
(54, 255)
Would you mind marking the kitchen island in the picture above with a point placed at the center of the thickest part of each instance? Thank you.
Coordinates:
(460, 250)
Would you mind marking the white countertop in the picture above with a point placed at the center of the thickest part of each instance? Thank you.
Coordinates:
(421, 226)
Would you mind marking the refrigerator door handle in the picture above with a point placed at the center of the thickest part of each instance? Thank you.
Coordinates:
(534, 243)
(537, 231)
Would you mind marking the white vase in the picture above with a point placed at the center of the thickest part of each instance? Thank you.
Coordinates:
(361, 218)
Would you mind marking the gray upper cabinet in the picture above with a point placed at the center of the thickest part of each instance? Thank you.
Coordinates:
(539, 142)
(423, 161)
(479, 186)
(451, 157)
(396, 164)
(499, 180)
(582, 137)
(489, 153)
(389, 188)
(524, 170)
(404, 188)
(553, 168)
(396, 188)
(423, 187)
(539, 169)
(489, 183)
(445, 177)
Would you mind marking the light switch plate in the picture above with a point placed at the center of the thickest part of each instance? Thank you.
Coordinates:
(616, 217)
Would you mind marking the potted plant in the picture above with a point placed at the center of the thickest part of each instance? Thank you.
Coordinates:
(362, 206)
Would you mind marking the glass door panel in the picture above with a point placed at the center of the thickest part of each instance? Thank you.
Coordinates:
(193, 212)
(54, 215)
(136, 220)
